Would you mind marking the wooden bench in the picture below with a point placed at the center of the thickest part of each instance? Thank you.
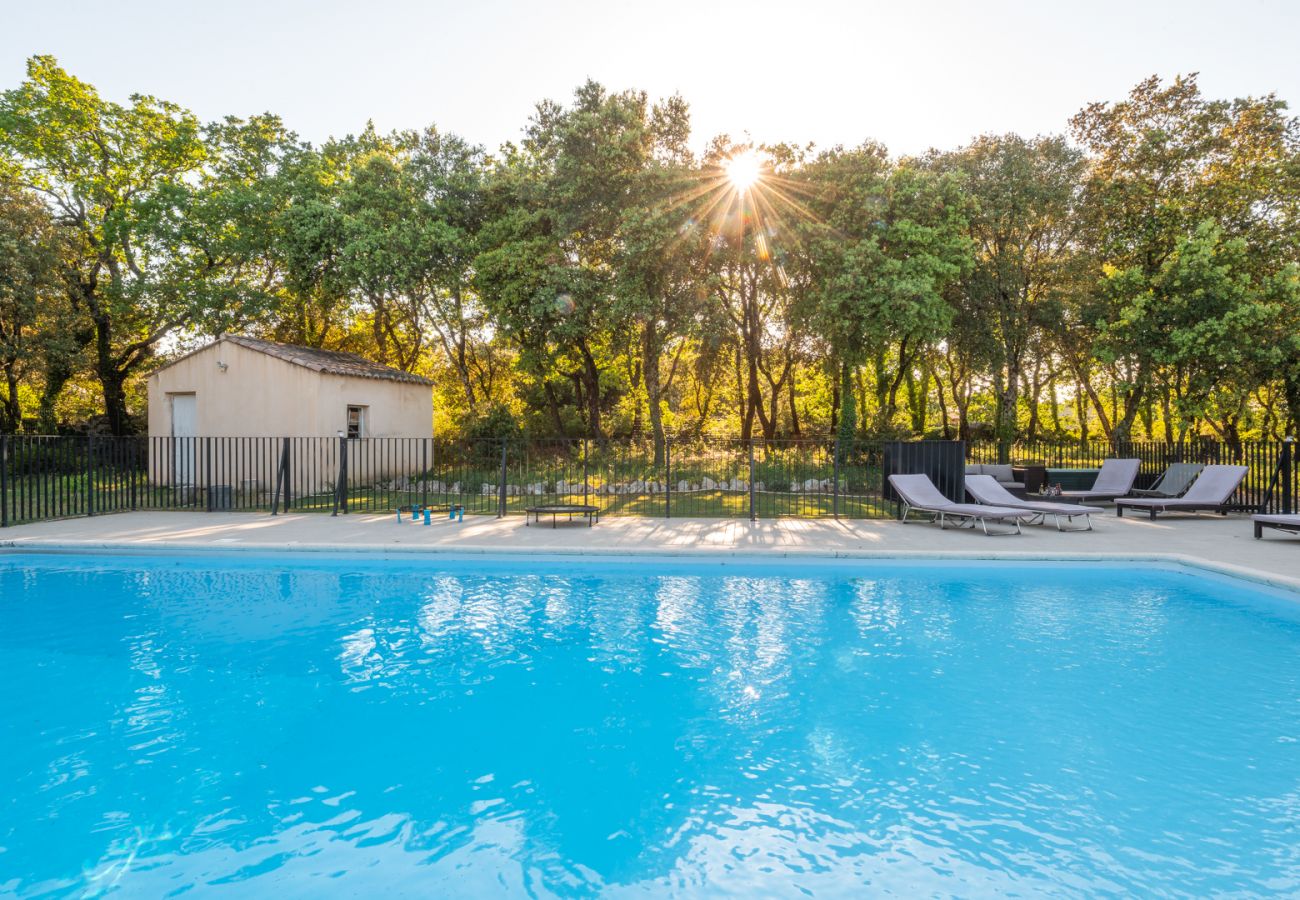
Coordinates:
(555, 510)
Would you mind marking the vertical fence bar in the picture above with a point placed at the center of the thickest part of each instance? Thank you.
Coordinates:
(1285, 462)
(424, 471)
(340, 471)
(343, 474)
(501, 485)
(753, 517)
(90, 475)
(4, 481)
(668, 479)
(835, 474)
(207, 474)
(132, 460)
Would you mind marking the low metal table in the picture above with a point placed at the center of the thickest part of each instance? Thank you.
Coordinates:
(555, 510)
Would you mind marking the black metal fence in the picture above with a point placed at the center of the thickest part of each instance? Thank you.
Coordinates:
(58, 477)
(1269, 486)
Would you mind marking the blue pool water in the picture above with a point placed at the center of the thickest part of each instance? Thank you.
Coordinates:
(297, 726)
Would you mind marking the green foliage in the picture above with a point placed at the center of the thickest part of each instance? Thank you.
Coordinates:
(600, 278)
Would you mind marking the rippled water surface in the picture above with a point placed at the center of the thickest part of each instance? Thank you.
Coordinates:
(280, 727)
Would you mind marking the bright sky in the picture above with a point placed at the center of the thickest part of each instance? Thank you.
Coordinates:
(910, 74)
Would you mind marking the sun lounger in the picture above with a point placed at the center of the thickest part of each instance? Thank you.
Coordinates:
(1173, 483)
(1212, 490)
(1280, 521)
(919, 493)
(1113, 481)
(985, 489)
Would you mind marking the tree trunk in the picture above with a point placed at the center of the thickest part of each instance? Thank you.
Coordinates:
(1009, 403)
(1054, 406)
(114, 385)
(1081, 410)
(378, 328)
(112, 380)
(943, 409)
(650, 350)
(553, 403)
(918, 394)
(835, 396)
(882, 392)
(742, 399)
(11, 417)
(1035, 391)
(57, 375)
(794, 413)
(1291, 390)
(848, 402)
(1123, 431)
(591, 385)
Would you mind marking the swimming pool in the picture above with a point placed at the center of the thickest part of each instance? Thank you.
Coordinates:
(299, 725)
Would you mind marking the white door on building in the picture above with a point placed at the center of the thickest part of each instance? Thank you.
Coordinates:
(185, 428)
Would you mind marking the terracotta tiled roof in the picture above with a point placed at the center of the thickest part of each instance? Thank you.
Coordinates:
(329, 362)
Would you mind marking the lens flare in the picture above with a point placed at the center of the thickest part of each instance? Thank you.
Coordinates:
(744, 169)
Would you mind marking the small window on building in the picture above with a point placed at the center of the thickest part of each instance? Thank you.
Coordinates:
(356, 422)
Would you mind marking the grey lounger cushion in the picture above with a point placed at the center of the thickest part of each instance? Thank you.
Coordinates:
(1212, 490)
(985, 489)
(1002, 472)
(1114, 480)
(1289, 520)
(1174, 482)
(920, 493)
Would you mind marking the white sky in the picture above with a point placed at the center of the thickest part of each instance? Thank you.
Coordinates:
(913, 75)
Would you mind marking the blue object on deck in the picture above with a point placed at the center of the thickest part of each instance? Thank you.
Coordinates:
(415, 513)
(428, 517)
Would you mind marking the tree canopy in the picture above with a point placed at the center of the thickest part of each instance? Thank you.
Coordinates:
(1135, 276)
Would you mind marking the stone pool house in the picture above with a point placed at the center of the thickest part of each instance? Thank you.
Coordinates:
(255, 390)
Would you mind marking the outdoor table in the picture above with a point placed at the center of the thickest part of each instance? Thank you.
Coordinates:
(556, 510)
(1032, 476)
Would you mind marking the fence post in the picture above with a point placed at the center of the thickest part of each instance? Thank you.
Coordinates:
(4, 481)
(1285, 463)
(133, 456)
(585, 445)
(424, 472)
(753, 517)
(207, 473)
(343, 475)
(90, 475)
(279, 482)
(668, 479)
(341, 481)
(281, 479)
(835, 488)
(288, 473)
(501, 492)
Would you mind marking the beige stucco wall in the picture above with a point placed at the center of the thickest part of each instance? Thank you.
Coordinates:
(257, 398)
(393, 408)
(261, 396)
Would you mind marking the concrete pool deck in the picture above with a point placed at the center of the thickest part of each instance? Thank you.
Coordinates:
(1212, 542)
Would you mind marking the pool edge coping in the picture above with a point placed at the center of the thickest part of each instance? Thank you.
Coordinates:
(1233, 570)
